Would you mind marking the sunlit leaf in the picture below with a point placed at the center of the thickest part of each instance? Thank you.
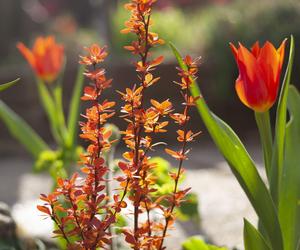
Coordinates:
(253, 239)
(74, 108)
(289, 196)
(58, 97)
(197, 243)
(22, 131)
(189, 209)
(50, 108)
(278, 150)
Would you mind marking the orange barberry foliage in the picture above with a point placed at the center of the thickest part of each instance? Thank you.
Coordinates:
(79, 207)
(185, 136)
(144, 120)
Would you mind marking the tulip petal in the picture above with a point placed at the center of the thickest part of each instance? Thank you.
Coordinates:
(240, 90)
(39, 46)
(259, 74)
(46, 57)
(269, 58)
(280, 51)
(27, 54)
(255, 49)
(269, 61)
(251, 77)
(234, 50)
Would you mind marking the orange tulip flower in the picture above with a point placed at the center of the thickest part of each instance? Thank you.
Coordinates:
(259, 74)
(46, 57)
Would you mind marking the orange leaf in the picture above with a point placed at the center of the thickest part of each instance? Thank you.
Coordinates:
(156, 61)
(44, 209)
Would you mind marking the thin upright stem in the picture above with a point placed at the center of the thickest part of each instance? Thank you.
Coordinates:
(55, 219)
(265, 132)
(183, 152)
(138, 129)
(76, 220)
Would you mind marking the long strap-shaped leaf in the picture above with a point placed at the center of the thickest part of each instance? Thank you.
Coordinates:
(278, 148)
(57, 92)
(241, 165)
(74, 108)
(253, 239)
(49, 107)
(7, 85)
(289, 196)
(22, 131)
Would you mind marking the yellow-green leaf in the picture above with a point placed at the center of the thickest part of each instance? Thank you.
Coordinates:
(253, 239)
(278, 148)
(8, 84)
(22, 131)
(289, 195)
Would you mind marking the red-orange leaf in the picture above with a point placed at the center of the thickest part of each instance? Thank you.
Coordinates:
(44, 209)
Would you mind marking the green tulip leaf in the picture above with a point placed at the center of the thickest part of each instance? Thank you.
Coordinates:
(289, 196)
(253, 239)
(240, 163)
(74, 109)
(280, 126)
(50, 109)
(22, 131)
(60, 117)
(8, 85)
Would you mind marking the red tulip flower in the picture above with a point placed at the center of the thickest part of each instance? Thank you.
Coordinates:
(46, 57)
(259, 74)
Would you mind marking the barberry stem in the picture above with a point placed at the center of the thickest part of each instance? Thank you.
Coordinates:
(138, 130)
(61, 228)
(148, 220)
(183, 152)
(76, 220)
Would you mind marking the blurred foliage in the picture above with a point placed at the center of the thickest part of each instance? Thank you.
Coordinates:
(197, 243)
(53, 161)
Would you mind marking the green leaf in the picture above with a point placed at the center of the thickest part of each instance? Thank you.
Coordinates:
(278, 150)
(22, 131)
(50, 109)
(61, 124)
(197, 243)
(189, 209)
(289, 196)
(253, 239)
(57, 91)
(161, 172)
(121, 222)
(240, 163)
(45, 160)
(74, 109)
(8, 85)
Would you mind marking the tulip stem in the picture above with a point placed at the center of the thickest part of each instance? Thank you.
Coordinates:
(49, 107)
(265, 132)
